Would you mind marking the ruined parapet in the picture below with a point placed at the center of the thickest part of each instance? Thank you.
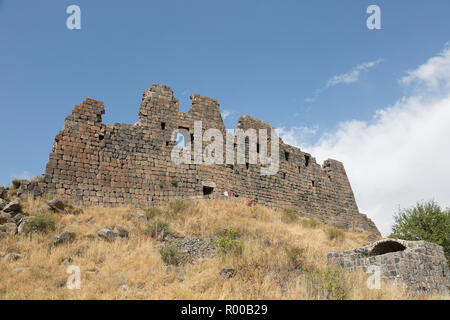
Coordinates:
(419, 265)
(96, 164)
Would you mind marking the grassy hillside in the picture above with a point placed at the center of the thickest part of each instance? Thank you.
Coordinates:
(273, 254)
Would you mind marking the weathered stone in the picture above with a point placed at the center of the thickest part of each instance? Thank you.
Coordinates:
(5, 217)
(56, 205)
(418, 265)
(9, 228)
(12, 256)
(192, 248)
(3, 204)
(140, 217)
(19, 270)
(228, 273)
(120, 232)
(3, 193)
(65, 237)
(13, 206)
(107, 234)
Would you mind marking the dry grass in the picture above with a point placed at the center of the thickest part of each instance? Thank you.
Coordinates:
(280, 259)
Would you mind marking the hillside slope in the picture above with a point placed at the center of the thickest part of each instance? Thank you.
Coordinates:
(180, 252)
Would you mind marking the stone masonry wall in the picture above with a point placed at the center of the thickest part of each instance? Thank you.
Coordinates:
(96, 164)
(419, 265)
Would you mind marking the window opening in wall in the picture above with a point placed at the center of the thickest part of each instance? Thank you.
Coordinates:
(163, 126)
(207, 191)
(286, 155)
(306, 160)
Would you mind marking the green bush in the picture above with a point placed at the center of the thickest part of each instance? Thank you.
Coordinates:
(174, 182)
(328, 283)
(227, 244)
(39, 223)
(170, 255)
(334, 233)
(156, 228)
(424, 221)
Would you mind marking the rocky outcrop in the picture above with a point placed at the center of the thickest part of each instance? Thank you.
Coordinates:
(419, 265)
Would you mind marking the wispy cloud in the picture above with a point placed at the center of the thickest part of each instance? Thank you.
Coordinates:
(401, 155)
(348, 77)
(226, 113)
(24, 175)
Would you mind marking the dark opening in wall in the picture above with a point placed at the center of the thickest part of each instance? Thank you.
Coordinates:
(283, 175)
(257, 147)
(101, 137)
(163, 126)
(246, 165)
(306, 160)
(313, 183)
(299, 170)
(192, 138)
(286, 155)
(386, 247)
(207, 191)
(167, 143)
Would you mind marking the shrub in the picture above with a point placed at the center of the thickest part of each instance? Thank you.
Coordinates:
(39, 223)
(334, 233)
(289, 215)
(328, 283)
(295, 258)
(174, 182)
(425, 221)
(156, 228)
(170, 255)
(310, 223)
(228, 243)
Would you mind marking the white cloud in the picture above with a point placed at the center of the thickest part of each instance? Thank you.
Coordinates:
(296, 135)
(352, 75)
(402, 155)
(226, 113)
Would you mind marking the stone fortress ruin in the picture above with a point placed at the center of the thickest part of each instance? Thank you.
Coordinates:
(112, 165)
(418, 265)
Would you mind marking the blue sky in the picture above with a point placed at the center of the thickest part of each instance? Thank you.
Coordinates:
(265, 58)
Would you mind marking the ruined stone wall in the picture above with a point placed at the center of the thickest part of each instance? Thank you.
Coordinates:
(419, 265)
(97, 164)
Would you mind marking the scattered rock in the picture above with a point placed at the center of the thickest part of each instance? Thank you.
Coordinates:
(3, 192)
(192, 248)
(5, 217)
(123, 287)
(18, 218)
(3, 203)
(56, 205)
(140, 217)
(106, 234)
(18, 182)
(121, 232)
(228, 273)
(13, 206)
(122, 279)
(19, 270)
(92, 271)
(65, 237)
(110, 234)
(12, 256)
(9, 228)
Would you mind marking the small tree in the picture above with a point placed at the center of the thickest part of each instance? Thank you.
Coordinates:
(425, 221)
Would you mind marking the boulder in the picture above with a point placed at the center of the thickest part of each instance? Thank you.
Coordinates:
(107, 234)
(13, 206)
(18, 182)
(3, 204)
(9, 228)
(65, 237)
(56, 205)
(5, 217)
(140, 217)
